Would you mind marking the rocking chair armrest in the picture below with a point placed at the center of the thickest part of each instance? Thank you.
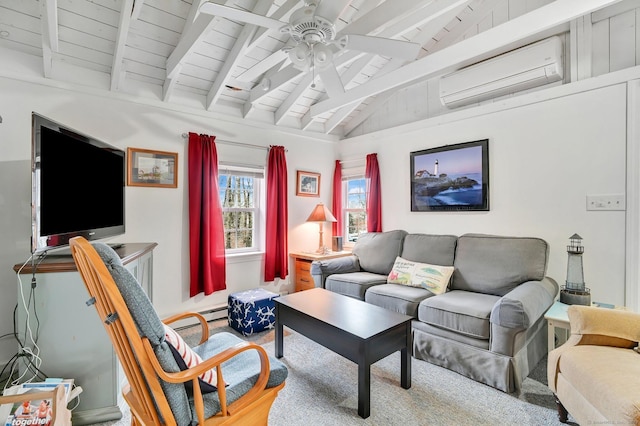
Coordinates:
(204, 326)
(192, 374)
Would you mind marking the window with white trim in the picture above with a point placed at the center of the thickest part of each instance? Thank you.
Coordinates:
(240, 197)
(354, 208)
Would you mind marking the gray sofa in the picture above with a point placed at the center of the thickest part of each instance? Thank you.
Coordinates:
(489, 325)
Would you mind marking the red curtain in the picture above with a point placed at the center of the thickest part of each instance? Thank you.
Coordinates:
(276, 261)
(337, 199)
(374, 200)
(206, 231)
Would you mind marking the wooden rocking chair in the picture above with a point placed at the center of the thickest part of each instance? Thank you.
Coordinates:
(159, 392)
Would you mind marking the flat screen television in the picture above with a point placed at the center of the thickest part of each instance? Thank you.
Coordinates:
(78, 186)
(451, 178)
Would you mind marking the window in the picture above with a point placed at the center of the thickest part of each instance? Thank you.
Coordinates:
(240, 190)
(354, 208)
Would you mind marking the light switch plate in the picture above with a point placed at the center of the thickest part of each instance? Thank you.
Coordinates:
(606, 202)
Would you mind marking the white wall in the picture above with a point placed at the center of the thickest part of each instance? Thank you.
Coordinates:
(544, 159)
(153, 214)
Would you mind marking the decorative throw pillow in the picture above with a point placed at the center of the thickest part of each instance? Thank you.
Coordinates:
(401, 271)
(187, 358)
(434, 278)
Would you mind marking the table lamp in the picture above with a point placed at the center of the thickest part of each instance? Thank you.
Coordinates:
(321, 214)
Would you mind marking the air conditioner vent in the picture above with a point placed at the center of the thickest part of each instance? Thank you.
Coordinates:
(530, 66)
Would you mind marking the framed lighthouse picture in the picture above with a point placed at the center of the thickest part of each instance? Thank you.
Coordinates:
(451, 178)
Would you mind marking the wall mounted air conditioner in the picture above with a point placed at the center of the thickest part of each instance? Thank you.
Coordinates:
(530, 66)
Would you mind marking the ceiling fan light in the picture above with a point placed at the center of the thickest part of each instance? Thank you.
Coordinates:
(300, 56)
(322, 56)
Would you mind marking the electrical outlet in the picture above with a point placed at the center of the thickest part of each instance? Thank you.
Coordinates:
(606, 202)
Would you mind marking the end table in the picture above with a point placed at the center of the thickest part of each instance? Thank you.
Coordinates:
(302, 266)
(557, 317)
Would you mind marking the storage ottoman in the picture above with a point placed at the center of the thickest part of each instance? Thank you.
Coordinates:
(251, 311)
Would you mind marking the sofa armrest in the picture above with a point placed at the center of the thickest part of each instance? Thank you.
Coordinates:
(321, 269)
(524, 305)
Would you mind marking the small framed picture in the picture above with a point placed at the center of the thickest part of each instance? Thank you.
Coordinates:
(146, 167)
(308, 184)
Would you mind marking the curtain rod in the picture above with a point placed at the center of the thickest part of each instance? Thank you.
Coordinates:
(222, 141)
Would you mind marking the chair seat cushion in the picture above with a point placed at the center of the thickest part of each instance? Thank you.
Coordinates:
(606, 377)
(240, 372)
(354, 284)
(463, 312)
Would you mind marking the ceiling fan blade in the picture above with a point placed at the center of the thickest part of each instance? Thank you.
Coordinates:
(331, 9)
(241, 15)
(331, 80)
(382, 46)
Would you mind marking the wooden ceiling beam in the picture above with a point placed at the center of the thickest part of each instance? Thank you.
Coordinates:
(238, 49)
(49, 23)
(120, 44)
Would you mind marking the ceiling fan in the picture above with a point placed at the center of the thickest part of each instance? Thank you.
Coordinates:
(313, 42)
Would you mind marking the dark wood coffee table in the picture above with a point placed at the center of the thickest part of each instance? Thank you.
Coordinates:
(359, 331)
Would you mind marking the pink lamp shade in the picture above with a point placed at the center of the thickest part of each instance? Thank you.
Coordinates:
(321, 214)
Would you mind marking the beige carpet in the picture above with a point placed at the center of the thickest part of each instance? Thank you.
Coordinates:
(322, 390)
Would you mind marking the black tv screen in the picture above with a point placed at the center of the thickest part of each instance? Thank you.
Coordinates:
(451, 178)
(78, 186)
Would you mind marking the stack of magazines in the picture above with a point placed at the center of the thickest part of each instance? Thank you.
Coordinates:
(33, 412)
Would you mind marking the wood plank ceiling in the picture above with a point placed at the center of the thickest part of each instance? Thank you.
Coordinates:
(169, 51)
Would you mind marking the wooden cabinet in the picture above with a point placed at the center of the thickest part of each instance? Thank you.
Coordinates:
(302, 267)
(72, 340)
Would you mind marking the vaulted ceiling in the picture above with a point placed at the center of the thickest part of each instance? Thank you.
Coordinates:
(235, 57)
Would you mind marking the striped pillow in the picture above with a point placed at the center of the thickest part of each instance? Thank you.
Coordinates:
(187, 358)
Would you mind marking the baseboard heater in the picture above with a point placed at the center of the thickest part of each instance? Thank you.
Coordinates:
(213, 314)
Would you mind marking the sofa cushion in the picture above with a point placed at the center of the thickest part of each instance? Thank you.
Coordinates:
(602, 374)
(354, 284)
(397, 297)
(495, 265)
(464, 312)
(427, 248)
(376, 251)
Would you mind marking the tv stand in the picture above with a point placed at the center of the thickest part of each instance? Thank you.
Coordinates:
(72, 340)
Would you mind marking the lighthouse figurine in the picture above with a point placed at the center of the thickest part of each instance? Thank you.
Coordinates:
(574, 292)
